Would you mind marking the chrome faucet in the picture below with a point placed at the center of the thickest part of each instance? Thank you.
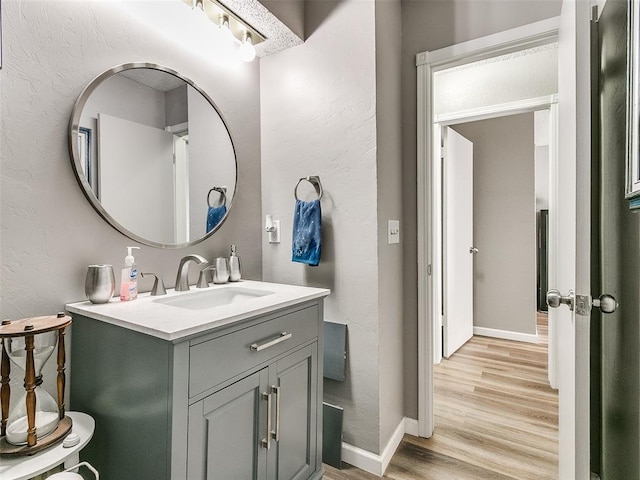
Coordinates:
(182, 279)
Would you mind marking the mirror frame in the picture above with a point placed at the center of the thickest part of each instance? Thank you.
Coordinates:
(76, 161)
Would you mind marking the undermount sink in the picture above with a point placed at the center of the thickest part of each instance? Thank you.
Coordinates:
(201, 300)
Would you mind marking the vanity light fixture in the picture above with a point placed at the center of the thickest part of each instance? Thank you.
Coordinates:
(233, 26)
(247, 51)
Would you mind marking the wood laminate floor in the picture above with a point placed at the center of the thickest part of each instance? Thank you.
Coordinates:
(496, 418)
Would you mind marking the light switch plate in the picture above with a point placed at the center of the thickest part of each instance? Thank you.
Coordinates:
(394, 231)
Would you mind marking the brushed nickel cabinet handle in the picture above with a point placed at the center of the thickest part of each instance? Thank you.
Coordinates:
(281, 338)
(266, 442)
(276, 432)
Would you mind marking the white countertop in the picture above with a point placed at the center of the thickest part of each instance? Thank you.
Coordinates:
(173, 323)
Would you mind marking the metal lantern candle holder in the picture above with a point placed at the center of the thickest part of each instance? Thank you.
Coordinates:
(37, 420)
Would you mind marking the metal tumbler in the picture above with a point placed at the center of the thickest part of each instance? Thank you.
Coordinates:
(100, 283)
(221, 272)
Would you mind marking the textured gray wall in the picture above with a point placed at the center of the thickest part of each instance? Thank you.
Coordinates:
(347, 75)
(318, 107)
(50, 233)
(620, 262)
(430, 25)
(504, 223)
(389, 165)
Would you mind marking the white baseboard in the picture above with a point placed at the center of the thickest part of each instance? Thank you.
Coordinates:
(363, 459)
(505, 334)
(411, 427)
(374, 463)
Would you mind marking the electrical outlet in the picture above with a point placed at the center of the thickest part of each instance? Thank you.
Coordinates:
(274, 236)
(394, 231)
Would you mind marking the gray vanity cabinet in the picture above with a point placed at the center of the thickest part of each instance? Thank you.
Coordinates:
(224, 432)
(261, 427)
(238, 402)
(292, 455)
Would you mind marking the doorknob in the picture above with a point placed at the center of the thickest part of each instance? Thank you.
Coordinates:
(606, 303)
(473, 250)
(555, 299)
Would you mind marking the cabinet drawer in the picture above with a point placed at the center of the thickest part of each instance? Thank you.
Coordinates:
(216, 360)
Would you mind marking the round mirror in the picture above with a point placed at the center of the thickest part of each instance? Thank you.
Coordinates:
(153, 155)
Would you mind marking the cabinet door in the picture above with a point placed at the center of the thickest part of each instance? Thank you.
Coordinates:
(294, 380)
(226, 430)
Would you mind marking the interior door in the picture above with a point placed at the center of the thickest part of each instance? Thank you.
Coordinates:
(620, 264)
(458, 250)
(136, 176)
(569, 245)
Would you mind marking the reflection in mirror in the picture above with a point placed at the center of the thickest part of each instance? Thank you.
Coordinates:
(216, 213)
(153, 155)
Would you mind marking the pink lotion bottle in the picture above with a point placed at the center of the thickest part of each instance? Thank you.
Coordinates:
(129, 278)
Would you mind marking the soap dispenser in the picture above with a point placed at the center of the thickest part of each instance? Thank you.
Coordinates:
(234, 266)
(129, 278)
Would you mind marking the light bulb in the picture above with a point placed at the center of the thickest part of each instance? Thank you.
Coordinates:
(247, 51)
(225, 28)
(198, 10)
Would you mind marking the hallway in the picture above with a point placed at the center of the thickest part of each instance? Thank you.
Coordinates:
(496, 418)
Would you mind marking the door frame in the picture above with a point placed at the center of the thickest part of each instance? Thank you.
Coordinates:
(529, 105)
(427, 63)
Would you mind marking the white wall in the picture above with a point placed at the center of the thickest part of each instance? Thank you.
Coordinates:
(541, 155)
(50, 233)
(529, 73)
(318, 115)
(541, 135)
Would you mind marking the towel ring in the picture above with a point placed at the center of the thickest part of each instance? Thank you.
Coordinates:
(223, 196)
(313, 180)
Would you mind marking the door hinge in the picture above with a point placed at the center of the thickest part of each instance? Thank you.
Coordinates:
(429, 270)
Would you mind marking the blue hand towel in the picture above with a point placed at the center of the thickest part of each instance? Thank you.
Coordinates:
(307, 223)
(214, 215)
